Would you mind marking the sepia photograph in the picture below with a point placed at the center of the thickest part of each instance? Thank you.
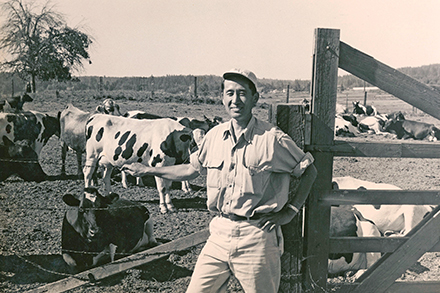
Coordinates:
(219, 146)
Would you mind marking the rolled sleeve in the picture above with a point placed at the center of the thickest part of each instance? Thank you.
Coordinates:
(306, 161)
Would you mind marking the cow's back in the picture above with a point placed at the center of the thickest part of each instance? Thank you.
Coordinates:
(118, 140)
(72, 124)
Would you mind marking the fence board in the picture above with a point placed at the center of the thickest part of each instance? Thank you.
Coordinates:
(125, 263)
(390, 149)
(369, 244)
(390, 80)
(397, 287)
(421, 197)
(317, 223)
(420, 241)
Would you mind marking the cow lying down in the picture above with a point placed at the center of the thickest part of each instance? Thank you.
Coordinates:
(347, 222)
(96, 228)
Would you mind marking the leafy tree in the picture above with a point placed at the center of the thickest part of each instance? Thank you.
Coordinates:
(40, 44)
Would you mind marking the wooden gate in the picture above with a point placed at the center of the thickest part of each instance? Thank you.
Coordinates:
(400, 253)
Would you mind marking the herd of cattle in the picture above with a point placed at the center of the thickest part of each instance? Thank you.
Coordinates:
(366, 119)
(108, 224)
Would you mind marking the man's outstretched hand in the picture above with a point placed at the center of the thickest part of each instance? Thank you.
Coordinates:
(136, 169)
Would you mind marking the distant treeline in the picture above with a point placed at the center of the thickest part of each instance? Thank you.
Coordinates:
(189, 85)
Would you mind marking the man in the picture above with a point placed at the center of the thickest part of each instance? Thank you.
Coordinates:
(248, 164)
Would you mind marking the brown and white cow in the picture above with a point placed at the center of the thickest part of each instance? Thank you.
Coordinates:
(115, 141)
(389, 219)
(405, 129)
(96, 228)
(29, 127)
(73, 133)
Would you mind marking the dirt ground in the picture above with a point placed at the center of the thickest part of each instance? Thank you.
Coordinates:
(31, 213)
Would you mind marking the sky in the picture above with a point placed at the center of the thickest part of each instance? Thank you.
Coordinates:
(274, 39)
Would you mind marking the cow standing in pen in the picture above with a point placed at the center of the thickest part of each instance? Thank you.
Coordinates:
(115, 141)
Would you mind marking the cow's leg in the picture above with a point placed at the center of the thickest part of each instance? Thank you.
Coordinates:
(79, 164)
(107, 179)
(139, 182)
(89, 168)
(186, 187)
(163, 187)
(124, 179)
(63, 158)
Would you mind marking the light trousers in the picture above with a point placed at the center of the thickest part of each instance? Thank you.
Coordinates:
(241, 249)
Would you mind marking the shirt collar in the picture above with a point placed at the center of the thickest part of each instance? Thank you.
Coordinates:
(247, 134)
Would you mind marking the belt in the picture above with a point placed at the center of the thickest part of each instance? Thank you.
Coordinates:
(234, 217)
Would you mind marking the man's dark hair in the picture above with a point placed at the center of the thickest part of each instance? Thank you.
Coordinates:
(241, 78)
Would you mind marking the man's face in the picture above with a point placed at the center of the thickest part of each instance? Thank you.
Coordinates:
(238, 99)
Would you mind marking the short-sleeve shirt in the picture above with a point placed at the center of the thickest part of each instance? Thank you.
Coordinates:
(250, 175)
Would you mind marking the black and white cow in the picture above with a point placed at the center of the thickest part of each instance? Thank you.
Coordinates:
(395, 220)
(19, 158)
(15, 104)
(115, 141)
(199, 130)
(32, 127)
(95, 229)
(348, 222)
(364, 110)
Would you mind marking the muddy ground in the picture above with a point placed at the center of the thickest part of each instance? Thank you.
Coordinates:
(31, 213)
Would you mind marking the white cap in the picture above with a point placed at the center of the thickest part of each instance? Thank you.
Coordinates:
(244, 73)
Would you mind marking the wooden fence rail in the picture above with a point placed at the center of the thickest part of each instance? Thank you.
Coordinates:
(400, 253)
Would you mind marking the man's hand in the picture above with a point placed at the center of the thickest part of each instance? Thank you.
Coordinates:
(271, 220)
(136, 169)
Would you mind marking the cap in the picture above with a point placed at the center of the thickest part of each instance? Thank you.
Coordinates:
(244, 73)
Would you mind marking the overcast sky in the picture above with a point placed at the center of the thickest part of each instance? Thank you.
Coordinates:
(272, 38)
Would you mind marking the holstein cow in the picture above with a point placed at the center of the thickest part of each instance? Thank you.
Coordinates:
(114, 141)
(364, 110)
(389, 219)
(33, 127)
(96, 228)
(73, 133)
(15, 104)
(412, 129)
(199, 129)
(19, 158)
(347, 222)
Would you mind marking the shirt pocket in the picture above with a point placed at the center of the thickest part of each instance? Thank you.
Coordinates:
(255, 179)
(214, 173)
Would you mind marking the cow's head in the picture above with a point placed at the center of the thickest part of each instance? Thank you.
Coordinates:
(177, 145)
(109, 107)
(87, 213)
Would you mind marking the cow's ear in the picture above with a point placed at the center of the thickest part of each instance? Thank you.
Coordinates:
(6, 141)
(71, 200)
(112, 197)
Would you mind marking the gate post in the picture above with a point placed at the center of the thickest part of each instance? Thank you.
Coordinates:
(291, 119)
(317, 215)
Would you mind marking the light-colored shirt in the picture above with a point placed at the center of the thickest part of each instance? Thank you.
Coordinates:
(251, 175)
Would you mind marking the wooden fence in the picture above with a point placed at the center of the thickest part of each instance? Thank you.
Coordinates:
(400, 253)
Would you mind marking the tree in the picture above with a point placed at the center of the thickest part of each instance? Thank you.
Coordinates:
(40, 44)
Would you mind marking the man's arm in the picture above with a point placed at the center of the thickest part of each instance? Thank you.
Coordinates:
(176, 172)
(286, 214)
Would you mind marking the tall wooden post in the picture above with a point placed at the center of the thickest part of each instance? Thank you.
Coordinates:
(288, 90)
(291, 119)
(195, 86)
(317, 215)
